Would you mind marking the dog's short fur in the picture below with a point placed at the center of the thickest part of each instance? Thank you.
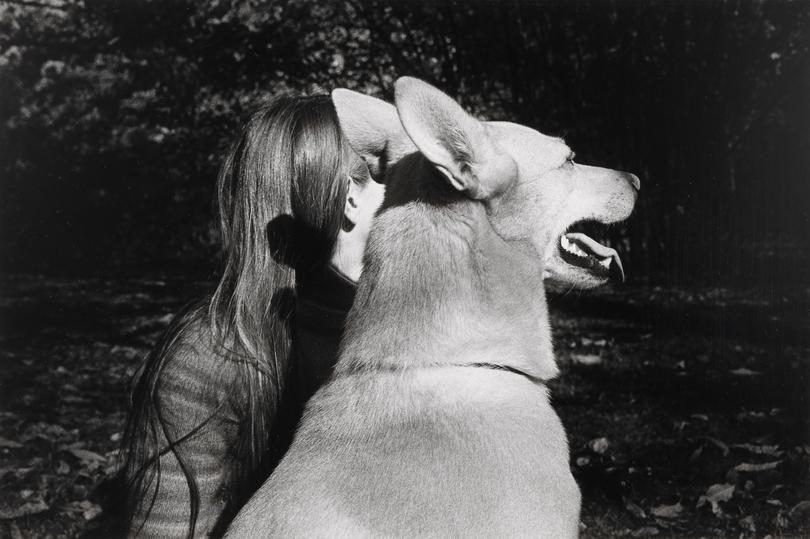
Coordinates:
(436, 421)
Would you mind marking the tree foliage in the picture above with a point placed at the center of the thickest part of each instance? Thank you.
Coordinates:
(115, 115)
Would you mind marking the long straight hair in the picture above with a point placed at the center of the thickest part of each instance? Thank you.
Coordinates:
(281, 194)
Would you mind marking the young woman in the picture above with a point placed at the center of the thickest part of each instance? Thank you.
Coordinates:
(215, 404)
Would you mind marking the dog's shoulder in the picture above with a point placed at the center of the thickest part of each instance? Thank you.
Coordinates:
(424, 451)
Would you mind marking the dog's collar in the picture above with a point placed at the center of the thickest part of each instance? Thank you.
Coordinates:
(494, 366)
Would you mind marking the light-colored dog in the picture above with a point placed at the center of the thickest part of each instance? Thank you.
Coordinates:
(437, 422)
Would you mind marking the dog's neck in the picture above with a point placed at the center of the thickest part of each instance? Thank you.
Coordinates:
(441, 288)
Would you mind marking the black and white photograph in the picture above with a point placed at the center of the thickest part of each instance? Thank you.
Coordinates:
(405, 269)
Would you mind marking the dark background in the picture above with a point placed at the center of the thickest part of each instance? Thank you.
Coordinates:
(684, 392)
(115, 115)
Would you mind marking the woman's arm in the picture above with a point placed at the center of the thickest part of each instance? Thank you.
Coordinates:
(193, 414)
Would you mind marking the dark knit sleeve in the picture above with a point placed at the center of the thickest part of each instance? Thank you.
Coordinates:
(194, 396)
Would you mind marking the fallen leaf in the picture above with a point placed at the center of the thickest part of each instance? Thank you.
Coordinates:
(634, 509)
(74, 399)
(646, 531)
(46, 431)
(9, 444)
(23, 471)
(745, 372)
(127, 351)
(748, 467)
(599, 445)
(769, 450)
(86, 456)
(88, 509)
(31, 508)
(747, 523)
(92, 512)
(751, 416)
(722, 445)
(667, 511)
(58, 431)
(586, 359)
(714, 495)
(696, 454)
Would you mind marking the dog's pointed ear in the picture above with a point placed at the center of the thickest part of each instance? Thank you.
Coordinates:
(372, 128)
(457, 144)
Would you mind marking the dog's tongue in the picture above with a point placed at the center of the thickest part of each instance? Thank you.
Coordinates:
(607, 258)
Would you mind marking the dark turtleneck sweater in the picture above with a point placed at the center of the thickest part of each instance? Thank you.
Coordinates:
(320, 316)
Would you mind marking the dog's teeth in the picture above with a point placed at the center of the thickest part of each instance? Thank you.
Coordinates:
(572, 247)
(605, 262)
(577, 251)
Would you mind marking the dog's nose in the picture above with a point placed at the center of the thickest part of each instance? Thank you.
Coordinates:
(634, 181)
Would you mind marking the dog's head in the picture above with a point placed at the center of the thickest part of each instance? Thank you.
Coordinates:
(531, 186)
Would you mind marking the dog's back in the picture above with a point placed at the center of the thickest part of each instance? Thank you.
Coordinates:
(436, 421)
(430, 453)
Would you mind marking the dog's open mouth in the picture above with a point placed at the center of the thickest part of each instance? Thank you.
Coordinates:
(580, 250)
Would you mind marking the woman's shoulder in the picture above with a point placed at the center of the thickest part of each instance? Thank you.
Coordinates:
(196, 372)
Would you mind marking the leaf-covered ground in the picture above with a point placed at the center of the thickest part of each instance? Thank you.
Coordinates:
(687, 410)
